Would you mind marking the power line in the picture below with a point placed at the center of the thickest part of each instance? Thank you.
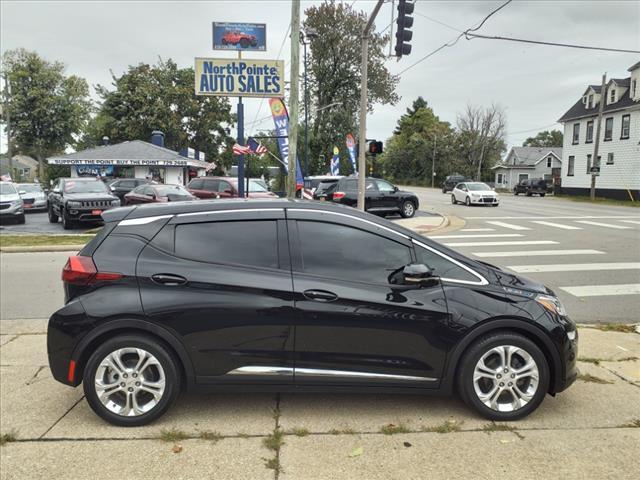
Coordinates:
(437, 21)
(452, 42)
(552, 44)
(533, 129)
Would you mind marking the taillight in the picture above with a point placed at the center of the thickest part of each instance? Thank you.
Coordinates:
(82, 271)
(338, 195)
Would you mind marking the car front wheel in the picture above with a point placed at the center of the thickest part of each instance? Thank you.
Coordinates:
(67, 223)
(467, 202)
(131, 380)
(408, 209)
(453, 199)
(53, 218)
(504, 376)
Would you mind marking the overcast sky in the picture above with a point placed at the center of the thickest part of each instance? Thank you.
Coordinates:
(535, 84)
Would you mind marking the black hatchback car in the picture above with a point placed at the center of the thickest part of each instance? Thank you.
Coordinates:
(380, 197)
(252, 295)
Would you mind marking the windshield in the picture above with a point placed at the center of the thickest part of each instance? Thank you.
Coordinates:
(327, 186)
(7, 189)
(165, 190)
(94, 186)
(29, 188)
(257, 186)
(475, 187)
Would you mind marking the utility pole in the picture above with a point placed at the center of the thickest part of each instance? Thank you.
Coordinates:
(362, 159)
(240, 142)
(433, 162)
(7, 92)
(293, 99)
(596, 146)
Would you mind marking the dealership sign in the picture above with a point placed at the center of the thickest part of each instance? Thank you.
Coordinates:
(239, 36)
(239, 78)
(96, 163)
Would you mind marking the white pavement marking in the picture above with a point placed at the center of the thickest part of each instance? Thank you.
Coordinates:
(608, 225)
(603, 290)
(637, 222)
(622, 348)
(498, 244)
(557, 225)
(575, 267)
(488, 235)
(537, 253)
(538, 217)
(478, 230)
(509, 225)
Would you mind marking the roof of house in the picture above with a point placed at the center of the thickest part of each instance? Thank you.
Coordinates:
(19, 161)
(579, 109)
(528, 157)
(622, 82)
(633, 67)
(130, 150)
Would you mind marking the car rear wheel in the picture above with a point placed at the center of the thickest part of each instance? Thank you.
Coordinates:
(408, 209)
(515, 192)
(131, 380)
(504, 376)
(467, 202)
(53, 218)
(542, 194)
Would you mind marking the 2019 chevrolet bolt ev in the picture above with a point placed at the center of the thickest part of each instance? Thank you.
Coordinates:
(253, 295)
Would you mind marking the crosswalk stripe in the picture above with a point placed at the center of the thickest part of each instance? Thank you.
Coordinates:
(498, 244)
(537, 253)
(608, 225)
(603, 290)
(509, 225)
(637, 222)
(557, 225)
(478, 230)
(481, 235)
(575, 267)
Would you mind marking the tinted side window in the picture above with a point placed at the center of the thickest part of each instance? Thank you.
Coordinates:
(195, 184)
(442, 267)
(351, 185)
(253, 243)
(348, 253)
(127, 184)
(224, 186)
(210, 185)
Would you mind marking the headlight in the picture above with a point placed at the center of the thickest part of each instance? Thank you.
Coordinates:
(552, 304)
(71, 204)
(475, 195)
(115, 203)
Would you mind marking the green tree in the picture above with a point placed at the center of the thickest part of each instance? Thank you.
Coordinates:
(161, 97)
(545, 138)
(48, 109)
(334, 76)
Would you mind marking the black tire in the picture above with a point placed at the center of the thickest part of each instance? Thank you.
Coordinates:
(479, 348)
(408, 209)
(467, 202)
(542, 194)
(224, 42)
(515, 192)
(53, 218)
(494, 204)
(529, 194)
(244, 43)
(167, 361)
(453, 199)
(20, 220)
(67, 223)
(444, 190)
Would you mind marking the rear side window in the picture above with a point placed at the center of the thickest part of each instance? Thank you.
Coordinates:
(210, 185)
(196, 184)
(442, 267)
(349, 253)
(252, 243)
(127, 184)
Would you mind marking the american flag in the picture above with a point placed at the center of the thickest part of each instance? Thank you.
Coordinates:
(256, 147)
(240, 149)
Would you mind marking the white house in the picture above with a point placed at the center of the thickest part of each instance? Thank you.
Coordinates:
(619, 150)
(522, 163)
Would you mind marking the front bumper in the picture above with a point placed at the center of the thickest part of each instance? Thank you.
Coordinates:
(569, 358)
(485, 200)
(84, 214)
(13, 210)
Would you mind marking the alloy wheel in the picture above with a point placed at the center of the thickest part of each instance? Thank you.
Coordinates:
(409, 209)
(130, 382)
(506, 378)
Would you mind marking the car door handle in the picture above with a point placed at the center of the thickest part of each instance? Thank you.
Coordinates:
(320, 295)
(168, 279)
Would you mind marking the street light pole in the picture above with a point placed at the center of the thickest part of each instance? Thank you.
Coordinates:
(433, 162)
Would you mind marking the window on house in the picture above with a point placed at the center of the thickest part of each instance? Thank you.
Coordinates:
(590, 102)
(523, 176)
(500, 178)
(589, 163)
(633, 88)
(608, 129)
(626, 123)
(549, 162)
(589, 138)
(610, 158)
(576, 133)
(570, 165)
(613, 95)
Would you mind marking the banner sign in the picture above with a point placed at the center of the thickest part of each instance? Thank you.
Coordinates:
(351, 147)
(239, 36)
(94, 170)
(281, 121)
(141, 163)
(335, 162)
(239, 78)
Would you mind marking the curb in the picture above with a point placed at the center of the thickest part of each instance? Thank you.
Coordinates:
(451, 224)
(42, 248)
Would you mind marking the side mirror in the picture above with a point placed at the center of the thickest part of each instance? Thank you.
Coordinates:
(113, 189)
(416, 274)
(395, 189)
(229, 191)
(56, 190)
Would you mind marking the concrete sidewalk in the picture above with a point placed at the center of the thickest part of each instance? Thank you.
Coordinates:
(590, 431)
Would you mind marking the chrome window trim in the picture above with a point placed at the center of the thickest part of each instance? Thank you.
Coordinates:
(141, 221)
(262, 370)
(481, 279)
(319, 372)
(235, 210)
(350, 217)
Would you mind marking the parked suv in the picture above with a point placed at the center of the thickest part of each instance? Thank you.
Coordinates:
(451, 181)
(11, 205)
(531, 186)
(380, 196)
(297, 296)
(76, 200)
(124, 185)
(226, 187)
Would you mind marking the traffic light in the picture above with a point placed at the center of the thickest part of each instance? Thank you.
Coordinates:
(375, 147)
(404, 22)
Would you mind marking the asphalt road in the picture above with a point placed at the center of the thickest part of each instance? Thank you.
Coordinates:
(588, 254)
(38, 222)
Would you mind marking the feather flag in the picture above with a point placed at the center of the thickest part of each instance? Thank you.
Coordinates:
(335, 162)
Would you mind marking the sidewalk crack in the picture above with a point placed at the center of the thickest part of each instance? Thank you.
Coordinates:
(63, 415)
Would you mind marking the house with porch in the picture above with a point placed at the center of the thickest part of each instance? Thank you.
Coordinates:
(522, 163)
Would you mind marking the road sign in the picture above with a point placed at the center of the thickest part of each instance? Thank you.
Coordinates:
(595, 171)
(239, 36)
(239, 78)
